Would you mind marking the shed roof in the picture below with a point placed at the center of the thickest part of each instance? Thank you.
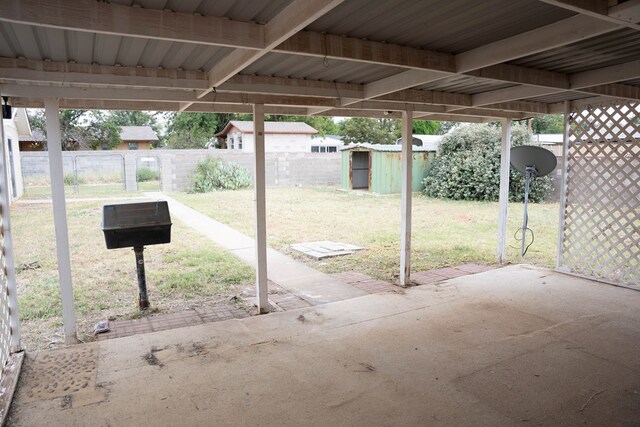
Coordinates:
(372, 58)
(138, 133)
(385, 148)
(270, 127)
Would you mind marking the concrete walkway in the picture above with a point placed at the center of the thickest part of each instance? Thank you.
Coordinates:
(513, 346)
(309, 284)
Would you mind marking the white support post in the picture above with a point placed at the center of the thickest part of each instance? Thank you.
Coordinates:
(7, 247)
(505, 160)
(54, 146)
(563, 183)
(407, 169)
(262, 291)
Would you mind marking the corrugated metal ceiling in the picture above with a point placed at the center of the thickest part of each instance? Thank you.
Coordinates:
(560, 97)
(18, 40)
(465, 85)
(450, 26)
(609, 49)
(315, 68)
(239, 10)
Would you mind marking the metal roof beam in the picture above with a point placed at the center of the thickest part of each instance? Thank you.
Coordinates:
(541, 39)
(581, 104)
(62, 72)
(558, 34)
(106, 18)
(293, 18)
(450, 118)
(287, 86)
(624, 13)
(595, 82)
(371, 52)
(138, 77)
(153, 106)
(72, 73)
(612, 74)
(157, 95)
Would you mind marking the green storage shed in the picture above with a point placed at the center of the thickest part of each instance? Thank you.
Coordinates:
(376, 167)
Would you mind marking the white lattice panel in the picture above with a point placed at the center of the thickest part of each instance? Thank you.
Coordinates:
(601, 227)
(5, 326)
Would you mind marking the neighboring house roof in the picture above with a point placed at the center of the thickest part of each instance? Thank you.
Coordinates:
(37, 135)
(548, 138)
(327, 141)
(269, 127)
(22, 122)
(430, 142)
(385, 148)
(137, 133)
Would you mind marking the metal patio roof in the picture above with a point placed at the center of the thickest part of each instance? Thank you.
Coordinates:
(456, 60)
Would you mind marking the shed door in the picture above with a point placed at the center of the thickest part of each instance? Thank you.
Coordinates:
(360, 170)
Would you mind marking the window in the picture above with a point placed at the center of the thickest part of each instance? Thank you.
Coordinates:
(133, 146)
(321, 149)
(232, 143)
(240, 142)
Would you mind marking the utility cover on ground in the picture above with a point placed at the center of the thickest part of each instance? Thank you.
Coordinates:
(325, 249)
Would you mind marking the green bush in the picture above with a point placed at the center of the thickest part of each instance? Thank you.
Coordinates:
(467, 166)
(212, 174)
(70, 179)
(146, 174)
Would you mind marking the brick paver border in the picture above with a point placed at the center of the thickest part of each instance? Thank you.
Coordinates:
(279, 298)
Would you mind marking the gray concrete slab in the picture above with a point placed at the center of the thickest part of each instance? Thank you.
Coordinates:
(309, 284)
(325, 249)
(509, 346)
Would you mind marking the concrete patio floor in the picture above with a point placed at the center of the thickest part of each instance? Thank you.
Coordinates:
(508, 346)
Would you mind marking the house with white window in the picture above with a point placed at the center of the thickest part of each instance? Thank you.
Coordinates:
(279, 137)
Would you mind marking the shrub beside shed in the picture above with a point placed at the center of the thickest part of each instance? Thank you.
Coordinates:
(377, 167)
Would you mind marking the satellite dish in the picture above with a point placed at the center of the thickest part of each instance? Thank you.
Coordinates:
(543, 160)
(533, 162)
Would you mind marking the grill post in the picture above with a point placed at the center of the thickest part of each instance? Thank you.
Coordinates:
(143, 302)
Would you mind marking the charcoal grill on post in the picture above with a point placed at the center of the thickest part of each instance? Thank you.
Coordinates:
(137, 225)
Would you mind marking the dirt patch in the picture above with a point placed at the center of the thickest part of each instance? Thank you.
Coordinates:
(59, 373)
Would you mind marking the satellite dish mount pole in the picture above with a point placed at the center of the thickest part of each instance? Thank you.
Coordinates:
(529, 175)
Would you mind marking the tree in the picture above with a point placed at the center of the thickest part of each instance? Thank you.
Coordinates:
(360, 130)
(100, 132)
(425, 127)
(80, 129)
(191, 130)
(548, 124)
(468, 166)
(133, 118)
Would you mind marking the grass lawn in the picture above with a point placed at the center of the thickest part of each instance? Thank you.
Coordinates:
(445, 233)
(98, 189)
(192, 271)
(189, 271)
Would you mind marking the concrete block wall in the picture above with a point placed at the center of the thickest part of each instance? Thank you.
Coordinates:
(286, 169)
(177, 166)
